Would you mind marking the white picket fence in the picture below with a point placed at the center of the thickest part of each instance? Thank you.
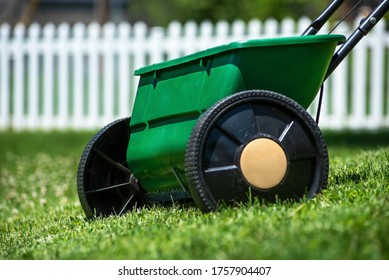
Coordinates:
(82, 76)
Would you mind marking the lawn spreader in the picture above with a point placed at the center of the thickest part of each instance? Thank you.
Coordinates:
(224, 125)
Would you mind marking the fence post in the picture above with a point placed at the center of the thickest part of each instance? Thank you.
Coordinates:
(139, 49)
(173, 36)
(205, 41)
(358, 97)
(78, 75)
(375, 120)
(287, 27)
(108, 70)
(4, 76)
(33, 51)
(270, 28)
(190, 40)
(238, 31)
(18, 77)
(93, 77)
(63, 75)
(339, 93)
(222, 35)
(126, 96)
(156, 46)
(254, 29)
(48, 75)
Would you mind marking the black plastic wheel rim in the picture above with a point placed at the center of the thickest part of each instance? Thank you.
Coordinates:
(105, 185)
(221, 133)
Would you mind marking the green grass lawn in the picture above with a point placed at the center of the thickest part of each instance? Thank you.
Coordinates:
(41, 218)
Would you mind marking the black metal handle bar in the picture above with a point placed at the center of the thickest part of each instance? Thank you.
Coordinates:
(318, 23)
(364, 27)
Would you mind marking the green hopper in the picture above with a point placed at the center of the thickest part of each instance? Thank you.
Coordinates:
(224, 125)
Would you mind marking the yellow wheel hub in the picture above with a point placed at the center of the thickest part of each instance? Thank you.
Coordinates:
(263, 163)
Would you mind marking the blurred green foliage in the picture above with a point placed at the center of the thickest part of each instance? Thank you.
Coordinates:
(157, 12)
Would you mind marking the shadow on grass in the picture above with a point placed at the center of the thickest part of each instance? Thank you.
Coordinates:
(357, 139)
(73, 142)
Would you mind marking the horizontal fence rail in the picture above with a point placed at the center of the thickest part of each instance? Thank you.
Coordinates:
(81, 76)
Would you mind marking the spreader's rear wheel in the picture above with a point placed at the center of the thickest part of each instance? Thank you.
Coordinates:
(256, 144)
(105, 184)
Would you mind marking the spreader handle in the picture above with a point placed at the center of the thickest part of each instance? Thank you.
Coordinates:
(317, 24)
(364, 27)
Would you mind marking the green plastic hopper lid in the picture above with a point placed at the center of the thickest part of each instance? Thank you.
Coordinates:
(242, 44)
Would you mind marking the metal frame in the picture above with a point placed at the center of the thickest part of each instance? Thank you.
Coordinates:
(362, 30)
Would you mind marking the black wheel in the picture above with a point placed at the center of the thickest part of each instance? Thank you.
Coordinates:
(255, 144)
(105, 184)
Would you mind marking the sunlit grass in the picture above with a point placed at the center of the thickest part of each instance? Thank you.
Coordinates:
(40, 216)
